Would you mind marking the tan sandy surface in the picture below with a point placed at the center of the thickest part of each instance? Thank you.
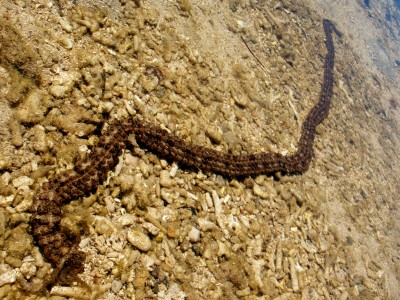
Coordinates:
(155, 230)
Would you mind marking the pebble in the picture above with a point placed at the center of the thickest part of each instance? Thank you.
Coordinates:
(84, 242)
(127, 219)
(194, 235)
(131, 160)
(116, 286)
(165, 179)
(8, 277)
(139, 240)
(73, 292)
(13, 261)
(67, 43)
(149, 84)
(106, 107)
(3, 222)
(24, 205)
(174, 169)
(65, 25)
(18, 243)
(6, 201)
(259, 191)
(129, 202)
(241, 101)
(4, 163)
(22, 181)
(59, 91)
(16, 132)
(231, 139)
(151, 228)
(215, 136)
(126, 182)
(103, 226)
(32, 109)
(110, 204)
(28, 269)
(206, 225)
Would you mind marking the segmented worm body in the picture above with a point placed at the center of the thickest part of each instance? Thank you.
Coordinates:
(60, 248)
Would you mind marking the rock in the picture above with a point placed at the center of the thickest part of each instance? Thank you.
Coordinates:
(165, 179)
(194, 235)
(18, 243)
(215, 136)
(8, 277)
(59, 91)
(32, 109)
(22, 181)
(28, 269)
(116, 286)
(127, 219)
(126, 182)
(231, 139)
(139, 240)
(149, 84)
(103, 226)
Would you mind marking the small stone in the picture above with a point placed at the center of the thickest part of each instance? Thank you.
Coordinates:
(28, 269)
(40, 144)
(131, 160)
(106, 107)
(139, 240)
(22, 181)
(4, 164)
(151, 228)
(241, 101)
(149, 84)
(59, 91)
(16, 133)
(6, 201)
(127, 219)
(231, 139)
(259, 191)
(233, 5)
(84, 243)
(8, 277)
(71, 292)
(215, 136)
(173, 229)
(3, 222)
(13, 261)
(194, 235)
(126, 182)
(24, 205)
(67, 43)
(174, 170)
(18, 243)
(206, 225)
(104, 226)
(32, 109)
(110, 204)
(285, 194)
(116, 286)
(165, 179)
(65, 25)
(129, 202)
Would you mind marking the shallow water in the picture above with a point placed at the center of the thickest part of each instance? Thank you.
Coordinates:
(236, 77)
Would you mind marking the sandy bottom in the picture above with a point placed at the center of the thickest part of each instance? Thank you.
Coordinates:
(236, 76)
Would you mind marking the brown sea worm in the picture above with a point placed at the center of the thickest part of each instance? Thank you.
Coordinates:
(60, 247)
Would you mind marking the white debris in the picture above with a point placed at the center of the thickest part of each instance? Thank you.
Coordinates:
(139, 240)
(194, 235)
